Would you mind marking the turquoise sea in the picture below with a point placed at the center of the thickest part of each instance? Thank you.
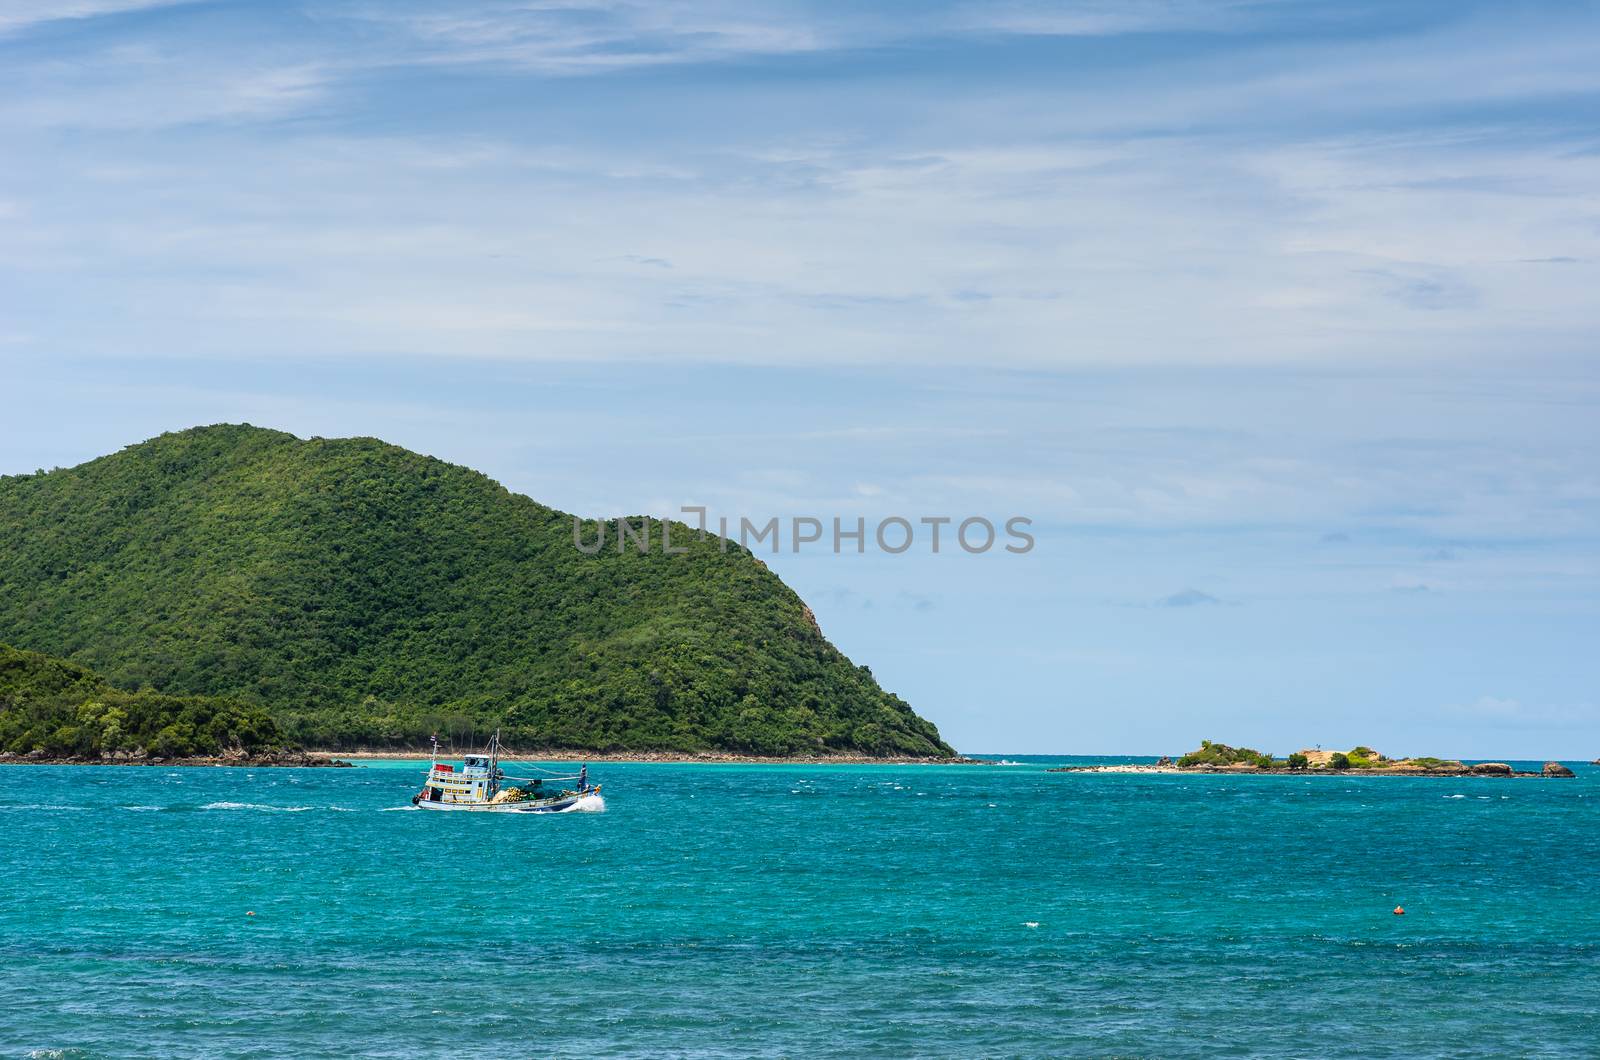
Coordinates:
(736, 910)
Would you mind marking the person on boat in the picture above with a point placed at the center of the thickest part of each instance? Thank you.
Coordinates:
(583, 778)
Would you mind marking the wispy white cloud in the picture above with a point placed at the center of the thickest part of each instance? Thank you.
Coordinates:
(18, 15)
(1100, 19)
(145, 87)
(1055, 255)
(571, 37)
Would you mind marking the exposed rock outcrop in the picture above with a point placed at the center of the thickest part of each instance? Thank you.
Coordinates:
(1359, 762)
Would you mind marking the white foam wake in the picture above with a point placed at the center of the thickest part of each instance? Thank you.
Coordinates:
(588, 804)
(254, 806)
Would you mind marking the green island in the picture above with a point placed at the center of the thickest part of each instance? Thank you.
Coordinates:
(1212, 757)
(231, 586)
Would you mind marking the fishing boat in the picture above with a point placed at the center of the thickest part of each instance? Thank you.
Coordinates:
(479, 784)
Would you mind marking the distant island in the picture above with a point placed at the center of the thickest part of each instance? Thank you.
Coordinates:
(1221, 758)
(359, 596)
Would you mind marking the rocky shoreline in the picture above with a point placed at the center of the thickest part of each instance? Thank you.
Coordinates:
(696, 758)
(294, 759)
(343, 759)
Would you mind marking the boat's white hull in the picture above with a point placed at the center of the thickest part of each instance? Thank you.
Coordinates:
(542, 806)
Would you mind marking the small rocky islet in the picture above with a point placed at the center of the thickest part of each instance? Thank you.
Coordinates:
(1212, 757)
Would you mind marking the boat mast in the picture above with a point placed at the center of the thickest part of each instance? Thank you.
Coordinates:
(494, 764)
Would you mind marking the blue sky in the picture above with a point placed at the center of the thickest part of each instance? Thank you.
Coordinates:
(1278, 319)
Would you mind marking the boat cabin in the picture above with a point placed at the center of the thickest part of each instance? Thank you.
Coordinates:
(475, 781)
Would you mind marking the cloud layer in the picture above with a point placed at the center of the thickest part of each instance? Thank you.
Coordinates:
(1035, 185)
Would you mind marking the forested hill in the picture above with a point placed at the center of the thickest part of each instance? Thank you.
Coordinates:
(59, 710)
(369, 596)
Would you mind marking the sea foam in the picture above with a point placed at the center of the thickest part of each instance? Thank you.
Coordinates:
(588, 804)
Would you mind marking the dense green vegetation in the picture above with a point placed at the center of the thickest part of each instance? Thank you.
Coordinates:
(1430, 762)
(368, 596)
(1220, 754)
(63, 710)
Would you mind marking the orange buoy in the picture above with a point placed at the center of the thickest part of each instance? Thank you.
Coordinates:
(1399, 910)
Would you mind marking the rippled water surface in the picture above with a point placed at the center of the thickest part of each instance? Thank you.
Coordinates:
(731, 910)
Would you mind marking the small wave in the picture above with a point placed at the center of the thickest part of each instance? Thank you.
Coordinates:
(46, 806)
(588, 804)
(254, 806)
(397, 809)
(144, 809)
(1455, 796)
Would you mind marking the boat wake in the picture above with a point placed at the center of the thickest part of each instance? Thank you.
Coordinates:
(255, 806)
(587, 804)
